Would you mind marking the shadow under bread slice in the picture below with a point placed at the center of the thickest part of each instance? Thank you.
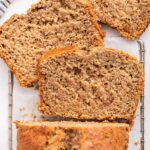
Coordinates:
(105, 84)
(64, 135)
(47, 25)
(129, 17)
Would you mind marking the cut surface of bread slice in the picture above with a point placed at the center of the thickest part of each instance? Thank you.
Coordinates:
(48, 24)
(105, 84)
(129, 17)
(72, 136)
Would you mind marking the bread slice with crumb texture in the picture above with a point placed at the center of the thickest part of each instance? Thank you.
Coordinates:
(104, 84)
(47, 25)
(129, 17)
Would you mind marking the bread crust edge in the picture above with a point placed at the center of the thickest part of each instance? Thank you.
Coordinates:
(10, 66)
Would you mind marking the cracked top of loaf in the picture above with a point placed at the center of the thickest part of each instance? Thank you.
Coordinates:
(72, 136)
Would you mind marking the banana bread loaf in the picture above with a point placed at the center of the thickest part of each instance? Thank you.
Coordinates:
(105, 84)
(48, 24)
(72, 136)
(129, 17)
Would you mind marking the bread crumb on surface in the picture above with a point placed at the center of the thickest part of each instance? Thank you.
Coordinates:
(33, 116)
(136, 143)
(21, 109)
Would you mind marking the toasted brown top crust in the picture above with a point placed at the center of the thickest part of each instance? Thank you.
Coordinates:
(58, 51)
(66, 124)
(79, 135)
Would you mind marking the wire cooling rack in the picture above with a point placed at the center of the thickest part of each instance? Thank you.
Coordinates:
(10, 106)
(4, 4)
(142, 60)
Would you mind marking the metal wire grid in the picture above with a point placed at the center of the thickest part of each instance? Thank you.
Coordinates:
(10, 108)
(142, 60)
(4, 5)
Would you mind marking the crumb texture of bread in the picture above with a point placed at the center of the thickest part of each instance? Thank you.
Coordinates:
(129, 17)
(47, 25)
(105, 84)
(72, 136)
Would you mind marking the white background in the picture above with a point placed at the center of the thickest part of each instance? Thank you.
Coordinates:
(112, 40)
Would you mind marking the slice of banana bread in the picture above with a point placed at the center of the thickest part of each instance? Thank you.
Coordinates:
(48, 24)
(129, 17)
(72, 136)
(105, 84)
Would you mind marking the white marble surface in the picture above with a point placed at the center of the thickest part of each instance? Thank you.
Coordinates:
(24, 96)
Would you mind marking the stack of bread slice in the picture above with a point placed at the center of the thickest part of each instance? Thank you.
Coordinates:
(47, 25)
(59, 45)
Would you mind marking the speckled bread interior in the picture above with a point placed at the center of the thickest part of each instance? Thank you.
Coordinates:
(47, 25)
(129, 17)
(104, 84)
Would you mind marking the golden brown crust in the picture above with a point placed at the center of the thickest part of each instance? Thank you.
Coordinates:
(105, 136)
(98, 26)
(31, 138)
(55, 52)
(134, 35)
(130, 36)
